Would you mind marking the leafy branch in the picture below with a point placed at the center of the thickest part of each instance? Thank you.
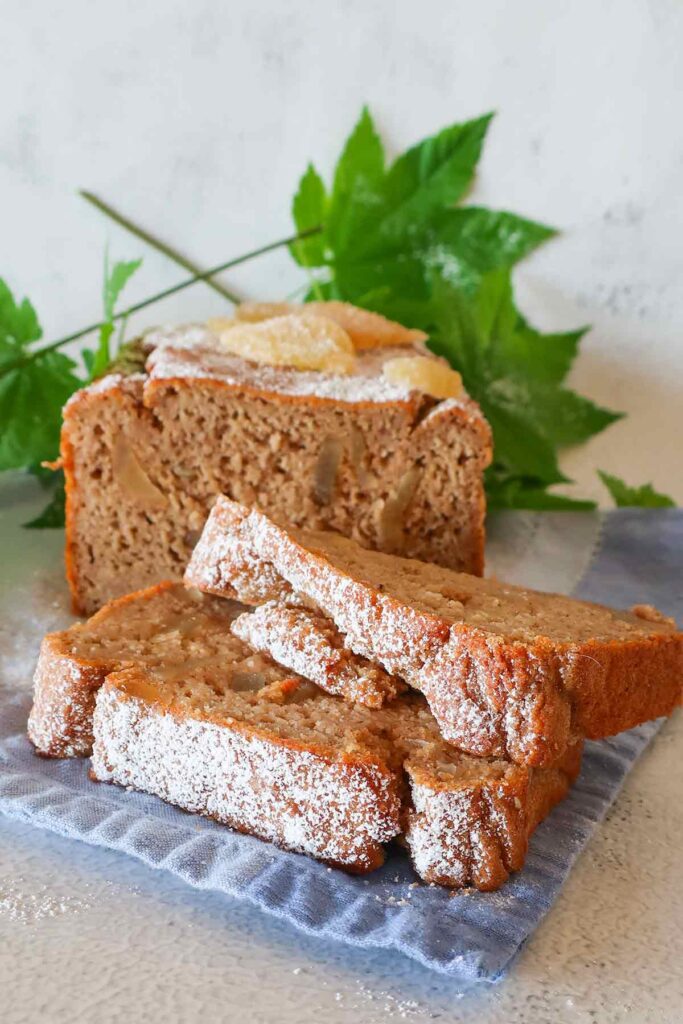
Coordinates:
(395, 237)
(24, 358)
(397, 240)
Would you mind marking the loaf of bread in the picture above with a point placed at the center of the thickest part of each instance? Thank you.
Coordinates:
(507, 672)
(373, 458)
(174, 704)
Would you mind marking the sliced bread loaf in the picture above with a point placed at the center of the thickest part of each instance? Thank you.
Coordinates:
(185, 710)
(506, 671)
(146, 455)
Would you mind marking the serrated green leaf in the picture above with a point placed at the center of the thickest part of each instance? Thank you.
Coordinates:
(472, 241)
(52, 516)
(31, 400)
(520, 447)
(19, 324)
(543, 357)
(642, 497)
(430, 177)
(356, 197)
(387, 231)
(485, 338)
(114, 283)
(309, 208)
(566, 418)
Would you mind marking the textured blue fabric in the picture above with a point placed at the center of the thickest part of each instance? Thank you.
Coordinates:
(471, 936)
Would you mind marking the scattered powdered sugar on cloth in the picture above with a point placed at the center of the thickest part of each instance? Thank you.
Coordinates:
(44, 606)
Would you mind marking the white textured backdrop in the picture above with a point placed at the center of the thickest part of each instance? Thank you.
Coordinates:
(196, 117)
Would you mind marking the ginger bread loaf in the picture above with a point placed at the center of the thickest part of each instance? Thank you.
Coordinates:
(361, 452)
(507, 672)
(178, 706)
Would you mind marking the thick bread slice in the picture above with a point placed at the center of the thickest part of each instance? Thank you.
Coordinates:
(309, 643)
(271, 773)
(146, 455)
(506, 671)
(190, 713)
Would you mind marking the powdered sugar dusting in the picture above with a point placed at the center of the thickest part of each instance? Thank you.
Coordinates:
(192, 351)
(336, 811)
(308, 644)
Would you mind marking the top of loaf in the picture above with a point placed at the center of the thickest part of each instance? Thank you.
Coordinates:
(193, 351)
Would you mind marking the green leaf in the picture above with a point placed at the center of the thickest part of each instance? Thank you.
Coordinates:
(309, 208)
(431, 176)
(18, 324)
(518, 493)
(53, 515)
(31, 392)
(564, 417)
(547, 358)
(471, 241)
(642, 497)
(114, 283)
(31, 400)
(356, 191)
(519, 445)
(388, 230)
(532, 416)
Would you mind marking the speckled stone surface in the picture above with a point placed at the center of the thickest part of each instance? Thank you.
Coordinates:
(87, 934)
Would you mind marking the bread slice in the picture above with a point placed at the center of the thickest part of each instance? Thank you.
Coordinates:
(164, 624)
(507, 672)
(309, 644)
(185, 710)
(146, 455)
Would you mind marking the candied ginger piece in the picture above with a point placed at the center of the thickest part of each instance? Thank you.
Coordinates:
(424, 374)
(217, 324)
(253, 312)
(304, 343)
(366, 329)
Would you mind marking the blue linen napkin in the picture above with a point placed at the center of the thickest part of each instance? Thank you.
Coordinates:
(470, 936)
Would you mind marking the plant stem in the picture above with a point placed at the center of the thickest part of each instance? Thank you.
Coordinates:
(271, 247)
(155, 243)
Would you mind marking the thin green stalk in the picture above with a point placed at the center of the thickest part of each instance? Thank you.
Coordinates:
(156, 243)
(237, 261)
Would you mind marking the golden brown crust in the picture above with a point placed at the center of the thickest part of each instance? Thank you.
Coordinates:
(340, 809)
(479, 835)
